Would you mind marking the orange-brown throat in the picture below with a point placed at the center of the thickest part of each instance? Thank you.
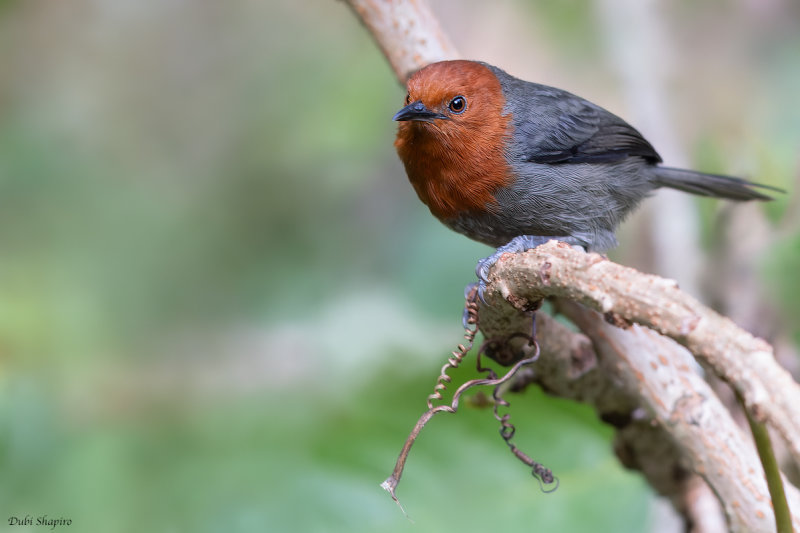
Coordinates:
(456, 164)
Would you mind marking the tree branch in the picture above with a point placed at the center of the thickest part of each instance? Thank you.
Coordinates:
(680, 414)
(742, 360)
(407, 33)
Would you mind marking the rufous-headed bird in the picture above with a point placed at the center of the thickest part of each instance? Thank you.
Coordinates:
(514, 164)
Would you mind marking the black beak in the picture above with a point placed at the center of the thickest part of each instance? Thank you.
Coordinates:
(417, 111)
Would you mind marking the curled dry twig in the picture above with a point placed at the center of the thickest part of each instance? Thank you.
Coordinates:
(507, 430)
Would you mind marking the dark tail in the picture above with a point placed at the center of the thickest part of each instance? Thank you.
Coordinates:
(712, 185)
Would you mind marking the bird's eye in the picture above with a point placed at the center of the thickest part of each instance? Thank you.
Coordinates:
(408, 98)
(457, 104)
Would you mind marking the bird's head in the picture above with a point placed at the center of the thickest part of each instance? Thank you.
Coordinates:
(452, 98)
(453, 135)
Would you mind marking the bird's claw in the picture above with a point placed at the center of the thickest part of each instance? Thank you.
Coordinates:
(517, 245)
(482, 271)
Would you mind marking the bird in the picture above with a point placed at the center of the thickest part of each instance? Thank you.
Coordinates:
(513, 164)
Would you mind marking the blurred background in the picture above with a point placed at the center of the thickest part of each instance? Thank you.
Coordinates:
(222, 306)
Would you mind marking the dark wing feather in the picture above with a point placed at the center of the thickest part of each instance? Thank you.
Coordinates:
(563, 128)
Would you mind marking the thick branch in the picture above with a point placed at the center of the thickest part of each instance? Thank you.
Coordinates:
(670, 424)
(656, 373)
(682, 404)
(569, 367)
(743, 361)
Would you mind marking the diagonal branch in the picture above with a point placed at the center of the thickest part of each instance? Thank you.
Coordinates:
(742, 360)
(407, 33)
(681, 420)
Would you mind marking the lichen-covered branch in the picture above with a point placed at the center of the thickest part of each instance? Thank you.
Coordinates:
(656, 373)
(677, 400)
(737, 357)
(670, 424)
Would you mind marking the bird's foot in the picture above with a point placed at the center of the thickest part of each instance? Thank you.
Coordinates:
(517, 245)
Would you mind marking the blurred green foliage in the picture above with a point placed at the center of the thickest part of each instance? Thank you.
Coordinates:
(314, 464)
(221, 305)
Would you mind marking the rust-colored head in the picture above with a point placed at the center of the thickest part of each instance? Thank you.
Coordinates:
(452, 137)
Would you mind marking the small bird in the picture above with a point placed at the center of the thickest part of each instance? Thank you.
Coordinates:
(513, 164)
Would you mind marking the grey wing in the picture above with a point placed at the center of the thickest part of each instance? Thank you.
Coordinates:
(560, 127)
